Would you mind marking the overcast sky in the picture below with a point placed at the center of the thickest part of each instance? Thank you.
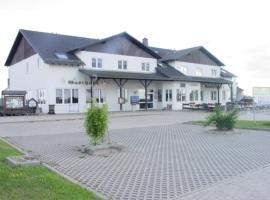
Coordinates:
(237, 32)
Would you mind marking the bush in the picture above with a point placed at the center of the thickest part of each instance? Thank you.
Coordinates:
(96, 123)
(223, 121)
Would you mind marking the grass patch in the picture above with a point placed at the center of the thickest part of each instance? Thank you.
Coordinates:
(253, 124)
(35, 182)
(244, 124)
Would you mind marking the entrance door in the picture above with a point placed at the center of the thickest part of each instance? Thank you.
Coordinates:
(150, 98)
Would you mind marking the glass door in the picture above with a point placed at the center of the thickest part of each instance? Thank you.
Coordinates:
(150, 98)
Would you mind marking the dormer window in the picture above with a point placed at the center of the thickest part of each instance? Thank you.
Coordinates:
(61, 56)
(122, 64)
(198, 72)
(214, 72)
(146, 67)
(96, 63)
(183, 69)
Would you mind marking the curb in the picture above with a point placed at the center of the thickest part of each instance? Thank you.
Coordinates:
(237, 127)
(55, 170)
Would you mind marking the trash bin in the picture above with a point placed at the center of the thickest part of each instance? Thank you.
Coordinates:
(51, 109)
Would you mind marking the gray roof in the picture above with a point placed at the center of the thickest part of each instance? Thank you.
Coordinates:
(48, 44)
(174, 74)
(169, 54)
(163, 73)
(130, 38)
(14, 92)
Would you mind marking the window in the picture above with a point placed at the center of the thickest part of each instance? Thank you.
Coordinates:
(59, 96)
(38, 63)
(98, 96)
(143, 66)
(99, 63)
(147, 67)
(122, 64)
(125, 64)
(201, 95)
(198, 72)
(213, 95)
(194, 95)
(75, 96)
(183, 69)
(61, 55)
(94, 62)
(41, 96)
(182, 85)
(159, 95)
(168, 95)
(180, 95)
(214, 72)
(67, 96)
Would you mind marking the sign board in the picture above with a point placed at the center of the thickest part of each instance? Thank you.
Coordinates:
(14, 102)
(261, 91)
(121, 100)
(261, 95)
(134, 100)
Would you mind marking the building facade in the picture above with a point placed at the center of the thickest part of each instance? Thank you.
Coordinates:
(124, 73)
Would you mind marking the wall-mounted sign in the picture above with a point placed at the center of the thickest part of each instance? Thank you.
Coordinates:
(134, 100)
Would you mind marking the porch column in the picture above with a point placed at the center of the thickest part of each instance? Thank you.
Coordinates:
(145, 84)
(120, 82)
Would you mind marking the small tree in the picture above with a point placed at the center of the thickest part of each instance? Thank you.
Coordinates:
(96, 123)
(223, 121)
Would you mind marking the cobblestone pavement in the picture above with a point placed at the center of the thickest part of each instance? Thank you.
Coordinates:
(160, 162)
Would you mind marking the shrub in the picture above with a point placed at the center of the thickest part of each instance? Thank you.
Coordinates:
(223, 121)
(96, 123)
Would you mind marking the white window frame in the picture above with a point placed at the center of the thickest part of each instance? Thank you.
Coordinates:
(63, 96)
(214, 72)
(94, 63)
(213, 95)
(99, 63)
(168, 95)
(122, 64)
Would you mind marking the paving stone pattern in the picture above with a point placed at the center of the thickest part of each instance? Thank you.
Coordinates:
(161, 162)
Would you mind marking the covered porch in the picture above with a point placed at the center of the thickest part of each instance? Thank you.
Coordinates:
(131, 91)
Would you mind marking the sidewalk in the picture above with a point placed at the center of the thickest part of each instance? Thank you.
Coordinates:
(74, 116)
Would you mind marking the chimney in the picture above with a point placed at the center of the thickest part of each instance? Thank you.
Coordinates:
(145, 41)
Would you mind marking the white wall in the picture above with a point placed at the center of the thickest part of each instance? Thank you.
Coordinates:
(192, 67)
(110, 61)
(36, 78)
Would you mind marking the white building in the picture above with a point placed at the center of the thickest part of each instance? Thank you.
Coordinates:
(66, 71)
